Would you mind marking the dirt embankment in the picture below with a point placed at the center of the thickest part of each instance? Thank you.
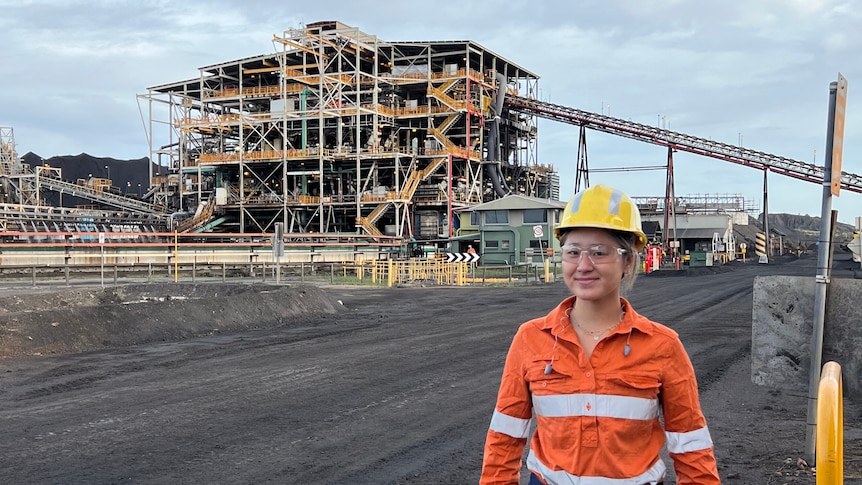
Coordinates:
(78, 320)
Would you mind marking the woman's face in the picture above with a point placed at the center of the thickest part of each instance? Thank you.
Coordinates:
(594, 278)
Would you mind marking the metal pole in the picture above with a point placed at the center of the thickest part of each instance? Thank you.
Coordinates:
(176, 256)
(821, 284)
(766, 216)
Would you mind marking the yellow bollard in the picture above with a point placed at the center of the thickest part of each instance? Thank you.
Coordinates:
(830, 426)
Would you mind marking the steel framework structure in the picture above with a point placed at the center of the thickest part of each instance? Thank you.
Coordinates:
(339, 131)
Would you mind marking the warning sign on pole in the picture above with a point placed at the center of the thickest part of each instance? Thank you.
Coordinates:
(838, 133)
(538, 231)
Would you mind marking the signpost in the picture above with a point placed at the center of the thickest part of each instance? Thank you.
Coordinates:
(278, 250)
(102, 257)
(831, 186)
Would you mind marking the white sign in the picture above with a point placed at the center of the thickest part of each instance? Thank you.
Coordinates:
(462, 257)
(538, 231)
(101, 238)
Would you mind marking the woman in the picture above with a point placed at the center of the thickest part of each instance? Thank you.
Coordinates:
(596, 375)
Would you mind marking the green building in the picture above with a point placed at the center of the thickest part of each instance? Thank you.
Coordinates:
(510, 230)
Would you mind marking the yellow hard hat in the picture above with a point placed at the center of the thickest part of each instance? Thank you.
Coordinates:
(603, 207)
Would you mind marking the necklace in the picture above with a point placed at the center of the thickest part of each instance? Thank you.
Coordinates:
(596, 335)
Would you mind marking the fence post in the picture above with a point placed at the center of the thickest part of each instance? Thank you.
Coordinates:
(223, 272)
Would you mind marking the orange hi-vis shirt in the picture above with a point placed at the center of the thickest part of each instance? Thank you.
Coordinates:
(597, 420)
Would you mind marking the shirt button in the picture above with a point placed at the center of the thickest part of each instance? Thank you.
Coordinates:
(589, 374)
(544, 384)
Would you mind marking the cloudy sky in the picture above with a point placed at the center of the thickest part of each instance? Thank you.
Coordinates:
(755, 72)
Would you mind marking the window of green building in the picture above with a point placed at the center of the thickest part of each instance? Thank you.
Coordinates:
(497, 217)
(535, 216)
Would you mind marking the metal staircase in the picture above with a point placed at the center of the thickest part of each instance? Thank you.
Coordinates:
(368, 223)
(440, 93)
(202, 217)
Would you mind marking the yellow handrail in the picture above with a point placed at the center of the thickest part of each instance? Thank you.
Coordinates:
(830, 427)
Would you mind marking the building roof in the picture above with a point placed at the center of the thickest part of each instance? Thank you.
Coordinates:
(515, 201)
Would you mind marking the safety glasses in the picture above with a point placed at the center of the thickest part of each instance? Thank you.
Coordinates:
(598, 253)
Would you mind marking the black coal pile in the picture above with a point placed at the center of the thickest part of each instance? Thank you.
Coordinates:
(128, 177)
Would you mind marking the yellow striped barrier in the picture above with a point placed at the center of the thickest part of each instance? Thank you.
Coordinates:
(760, 244)
(830, 427)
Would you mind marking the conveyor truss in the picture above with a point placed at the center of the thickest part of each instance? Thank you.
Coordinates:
(679, 141)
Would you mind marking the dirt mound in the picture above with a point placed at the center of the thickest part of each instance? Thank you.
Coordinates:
(79, 320)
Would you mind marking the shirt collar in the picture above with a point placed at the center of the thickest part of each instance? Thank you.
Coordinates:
(632, 319)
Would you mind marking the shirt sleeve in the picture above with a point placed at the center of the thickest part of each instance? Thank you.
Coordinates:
(689, 443)
(510, 423)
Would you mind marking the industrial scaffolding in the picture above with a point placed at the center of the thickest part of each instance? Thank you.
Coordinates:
(337, 131)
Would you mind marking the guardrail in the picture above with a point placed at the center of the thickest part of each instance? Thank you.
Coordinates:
(389, 272)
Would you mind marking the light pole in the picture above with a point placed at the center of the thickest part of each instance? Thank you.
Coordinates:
(108, 171)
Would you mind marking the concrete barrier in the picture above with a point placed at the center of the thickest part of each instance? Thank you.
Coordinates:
(782, 320)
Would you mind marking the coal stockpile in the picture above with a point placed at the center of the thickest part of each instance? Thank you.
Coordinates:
(129, 177)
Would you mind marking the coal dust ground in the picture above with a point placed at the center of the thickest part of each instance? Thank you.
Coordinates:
(255, 383)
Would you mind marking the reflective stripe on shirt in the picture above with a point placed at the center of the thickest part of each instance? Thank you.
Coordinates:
(561, 477)
(696, 440)
(514, 427)
(600, 405)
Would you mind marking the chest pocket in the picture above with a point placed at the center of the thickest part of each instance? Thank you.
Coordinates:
(554, 380)
(632, 385)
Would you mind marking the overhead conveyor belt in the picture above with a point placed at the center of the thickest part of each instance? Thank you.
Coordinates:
(679, 141)
(107, 198)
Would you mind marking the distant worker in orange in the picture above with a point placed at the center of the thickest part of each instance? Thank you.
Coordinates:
(608, 388)
(470, 249)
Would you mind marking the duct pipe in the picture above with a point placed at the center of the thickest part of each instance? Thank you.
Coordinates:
(492, 161)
